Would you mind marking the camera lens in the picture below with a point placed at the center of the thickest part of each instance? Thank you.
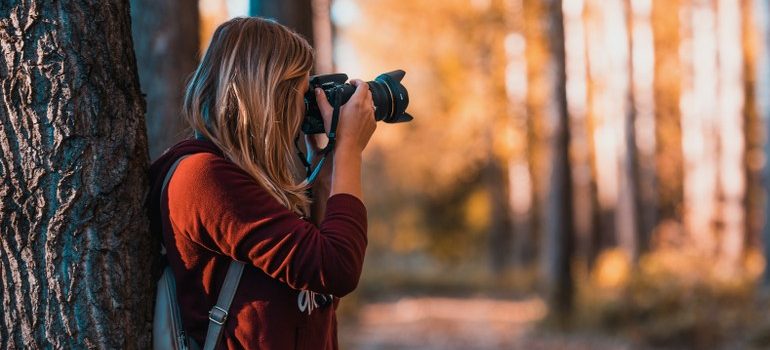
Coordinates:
(390, 98)
(393, 97)
(381, 99)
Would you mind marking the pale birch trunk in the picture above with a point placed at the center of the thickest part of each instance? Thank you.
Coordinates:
(603, 131)
(212, 13)
(732, 180)
(323, 37)
(608, 62)
(700, 120)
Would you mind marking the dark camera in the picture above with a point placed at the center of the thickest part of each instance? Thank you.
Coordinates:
(389, 96)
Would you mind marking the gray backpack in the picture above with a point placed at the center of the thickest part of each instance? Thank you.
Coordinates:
(167, 330)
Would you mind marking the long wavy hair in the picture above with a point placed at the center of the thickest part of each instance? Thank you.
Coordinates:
(246, 98)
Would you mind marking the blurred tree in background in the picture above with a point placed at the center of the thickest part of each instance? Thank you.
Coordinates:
(166, 45)
(295, 14)
(309, 18)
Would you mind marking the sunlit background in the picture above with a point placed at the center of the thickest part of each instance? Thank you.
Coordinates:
(580, 174)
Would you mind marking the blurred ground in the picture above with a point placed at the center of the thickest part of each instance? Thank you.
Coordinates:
(455, 323)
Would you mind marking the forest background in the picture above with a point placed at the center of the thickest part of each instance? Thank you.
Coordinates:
(579, 173)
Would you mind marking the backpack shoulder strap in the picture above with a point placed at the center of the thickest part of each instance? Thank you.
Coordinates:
(168, 332)
(169, 173)
(218, 314)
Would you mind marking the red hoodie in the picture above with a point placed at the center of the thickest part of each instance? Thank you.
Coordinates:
(213, 212)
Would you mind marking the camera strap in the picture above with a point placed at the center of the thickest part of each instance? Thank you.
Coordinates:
(312, 172)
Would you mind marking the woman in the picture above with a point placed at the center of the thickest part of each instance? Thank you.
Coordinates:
(237, 196)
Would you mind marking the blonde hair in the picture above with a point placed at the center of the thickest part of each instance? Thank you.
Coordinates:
(245, 98)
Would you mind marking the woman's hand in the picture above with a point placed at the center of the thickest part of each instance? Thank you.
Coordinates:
(354, 130)
(356, 124)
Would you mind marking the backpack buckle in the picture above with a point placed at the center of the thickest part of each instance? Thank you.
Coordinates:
(218, 315)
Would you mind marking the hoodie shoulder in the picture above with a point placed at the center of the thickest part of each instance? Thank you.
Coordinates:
(204, 169)
(207, 162)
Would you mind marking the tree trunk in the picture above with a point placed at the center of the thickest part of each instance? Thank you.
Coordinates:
(295, 14)
(323, 37)
(559, 227)
(700, 114)
(580, 147)
(626, 221)
(732, 170)
(608, 62)
(211, 13)
(603, 112)
(668, 131)
(75, 250)
(545, 18)
(310, 18)
(166, 54)
(753, 127)
(761, 11)
(642, 131)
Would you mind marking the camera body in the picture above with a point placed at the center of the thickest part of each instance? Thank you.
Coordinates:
(389, 96)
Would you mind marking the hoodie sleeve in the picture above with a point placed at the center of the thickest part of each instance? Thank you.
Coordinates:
(219, 206)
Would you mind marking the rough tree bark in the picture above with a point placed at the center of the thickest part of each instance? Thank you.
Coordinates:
(74, 242)
(166, 43)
